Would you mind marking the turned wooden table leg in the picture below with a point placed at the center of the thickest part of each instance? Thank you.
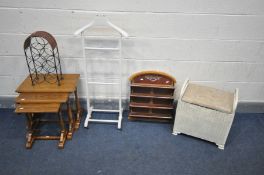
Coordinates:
(29, 136)
(63, 133)
(78, 111)
(71, 120)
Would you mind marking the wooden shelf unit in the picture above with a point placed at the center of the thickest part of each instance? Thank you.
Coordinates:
(151, 96)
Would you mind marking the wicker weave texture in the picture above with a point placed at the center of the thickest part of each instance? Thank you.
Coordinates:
(204, 123)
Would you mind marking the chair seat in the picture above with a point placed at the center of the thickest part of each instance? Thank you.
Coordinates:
(209, 97)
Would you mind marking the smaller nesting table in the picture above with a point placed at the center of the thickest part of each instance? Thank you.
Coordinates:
(48, 98)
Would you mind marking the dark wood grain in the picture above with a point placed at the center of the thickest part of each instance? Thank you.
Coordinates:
(151, 96)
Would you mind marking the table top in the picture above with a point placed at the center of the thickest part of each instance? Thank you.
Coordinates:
(68, 84)
(38, 108)
(42, 97)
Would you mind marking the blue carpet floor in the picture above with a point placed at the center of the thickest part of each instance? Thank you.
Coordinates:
(139, 149)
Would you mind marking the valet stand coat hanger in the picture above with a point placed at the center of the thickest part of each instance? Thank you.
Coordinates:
(102, 21)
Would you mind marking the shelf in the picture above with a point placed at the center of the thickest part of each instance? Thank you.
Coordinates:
(152, 106)
(151, 97)
(148, 95)
(161, 86)
(150, 115)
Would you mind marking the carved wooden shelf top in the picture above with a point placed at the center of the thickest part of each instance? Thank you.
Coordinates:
(152, 85)
(152, 77)
(68, 84)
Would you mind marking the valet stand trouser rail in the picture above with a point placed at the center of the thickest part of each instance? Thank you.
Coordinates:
(31, 111)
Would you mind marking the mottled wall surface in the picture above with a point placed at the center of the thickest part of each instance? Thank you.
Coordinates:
(217, 43)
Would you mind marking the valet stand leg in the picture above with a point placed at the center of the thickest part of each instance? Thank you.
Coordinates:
(71, 122)
(29, 136)
(63, 133)
(78, 111)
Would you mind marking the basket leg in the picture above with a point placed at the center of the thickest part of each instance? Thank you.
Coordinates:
(176, 133)
(222, 147)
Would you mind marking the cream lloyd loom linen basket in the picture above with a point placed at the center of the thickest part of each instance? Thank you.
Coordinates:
(205, 112)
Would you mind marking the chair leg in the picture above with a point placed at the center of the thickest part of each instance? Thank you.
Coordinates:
(63, 133)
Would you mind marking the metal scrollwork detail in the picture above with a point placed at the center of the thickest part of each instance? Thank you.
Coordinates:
(42, 56)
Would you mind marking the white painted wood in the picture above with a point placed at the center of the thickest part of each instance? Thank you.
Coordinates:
(103, 121)
(88, 116)
(105, 110)
(102, 20)
(88, 104)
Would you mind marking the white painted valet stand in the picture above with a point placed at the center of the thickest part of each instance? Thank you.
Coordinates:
(101, 20)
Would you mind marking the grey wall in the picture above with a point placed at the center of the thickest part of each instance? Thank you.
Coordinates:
(217, 43)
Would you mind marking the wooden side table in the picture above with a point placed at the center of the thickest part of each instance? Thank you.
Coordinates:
(48, 98)
(31, 110)
(68, 85)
